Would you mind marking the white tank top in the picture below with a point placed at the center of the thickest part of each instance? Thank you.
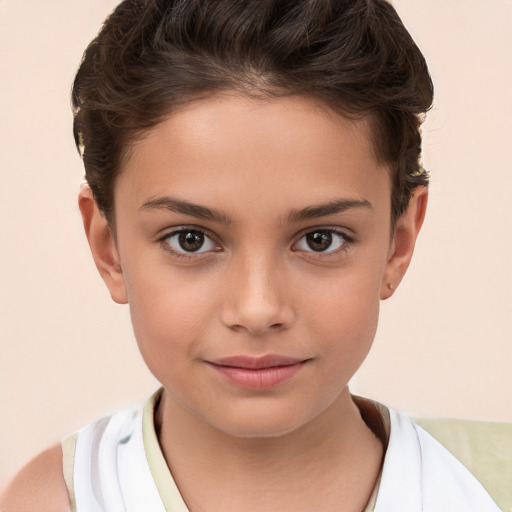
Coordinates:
(115, 465)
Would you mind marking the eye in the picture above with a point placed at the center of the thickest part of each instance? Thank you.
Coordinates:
(190, 241)
(322, 240)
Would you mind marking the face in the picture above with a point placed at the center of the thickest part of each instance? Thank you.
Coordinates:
(253, 242)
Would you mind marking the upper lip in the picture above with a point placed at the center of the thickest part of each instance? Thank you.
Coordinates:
(256, 363)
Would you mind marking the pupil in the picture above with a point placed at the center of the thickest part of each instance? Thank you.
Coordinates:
(319, 240)
(191, 240)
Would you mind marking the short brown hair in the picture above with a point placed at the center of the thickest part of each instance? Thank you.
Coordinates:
(151, 56)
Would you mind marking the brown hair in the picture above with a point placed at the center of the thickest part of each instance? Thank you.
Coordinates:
(151, 56)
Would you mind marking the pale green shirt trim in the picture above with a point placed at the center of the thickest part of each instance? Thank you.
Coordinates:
(485, 448)
(167, 489)
(169, 493)
(68, 462)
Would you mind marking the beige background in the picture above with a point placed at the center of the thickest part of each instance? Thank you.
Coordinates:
(67, 354)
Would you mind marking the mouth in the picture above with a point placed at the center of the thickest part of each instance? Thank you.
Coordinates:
(257, 373)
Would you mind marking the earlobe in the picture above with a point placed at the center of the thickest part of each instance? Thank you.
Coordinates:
(407, 228)
(103, 245)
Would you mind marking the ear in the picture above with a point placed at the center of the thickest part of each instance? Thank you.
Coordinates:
(103, 245)
(404, 238)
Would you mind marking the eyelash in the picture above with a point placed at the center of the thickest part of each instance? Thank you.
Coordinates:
(346, 243)
(164, 241)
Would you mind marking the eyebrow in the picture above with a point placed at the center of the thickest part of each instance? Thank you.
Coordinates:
(186, 208)
(293, 216)
(330, 208)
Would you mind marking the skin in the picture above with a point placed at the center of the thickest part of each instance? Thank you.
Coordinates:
(38, 486)
(256, 287)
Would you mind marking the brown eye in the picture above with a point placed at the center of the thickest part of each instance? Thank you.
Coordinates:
(190, 241)
(319, 240)
(322, 240)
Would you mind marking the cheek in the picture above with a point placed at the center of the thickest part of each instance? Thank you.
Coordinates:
(349, 317)
(169, 315)
(345, 316)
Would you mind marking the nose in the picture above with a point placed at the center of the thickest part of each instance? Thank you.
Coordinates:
(256, 296)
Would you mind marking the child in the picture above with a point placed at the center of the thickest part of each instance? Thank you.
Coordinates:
(253, 191)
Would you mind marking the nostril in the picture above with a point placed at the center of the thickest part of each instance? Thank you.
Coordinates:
(253, 323)
(255, 302)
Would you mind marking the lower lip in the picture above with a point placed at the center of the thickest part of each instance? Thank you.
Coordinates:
(262, 378)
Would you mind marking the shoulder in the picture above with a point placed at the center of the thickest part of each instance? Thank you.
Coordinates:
(485, 448)
(473, 442)
(38, 486)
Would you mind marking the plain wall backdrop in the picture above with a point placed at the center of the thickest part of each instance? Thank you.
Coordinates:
(67, 352)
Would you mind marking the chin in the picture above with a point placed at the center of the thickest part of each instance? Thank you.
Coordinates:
(266, 423)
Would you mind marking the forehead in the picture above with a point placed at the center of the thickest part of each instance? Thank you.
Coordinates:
(289, 148)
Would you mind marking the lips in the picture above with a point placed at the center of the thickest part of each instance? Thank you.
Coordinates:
(257, 372)
(256, 363)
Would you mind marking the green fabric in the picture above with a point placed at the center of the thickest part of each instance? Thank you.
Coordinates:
(171, 498)
(484, 448)
(68, 462)
(169, 493)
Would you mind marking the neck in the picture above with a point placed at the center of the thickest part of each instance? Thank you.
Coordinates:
(335, 456)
